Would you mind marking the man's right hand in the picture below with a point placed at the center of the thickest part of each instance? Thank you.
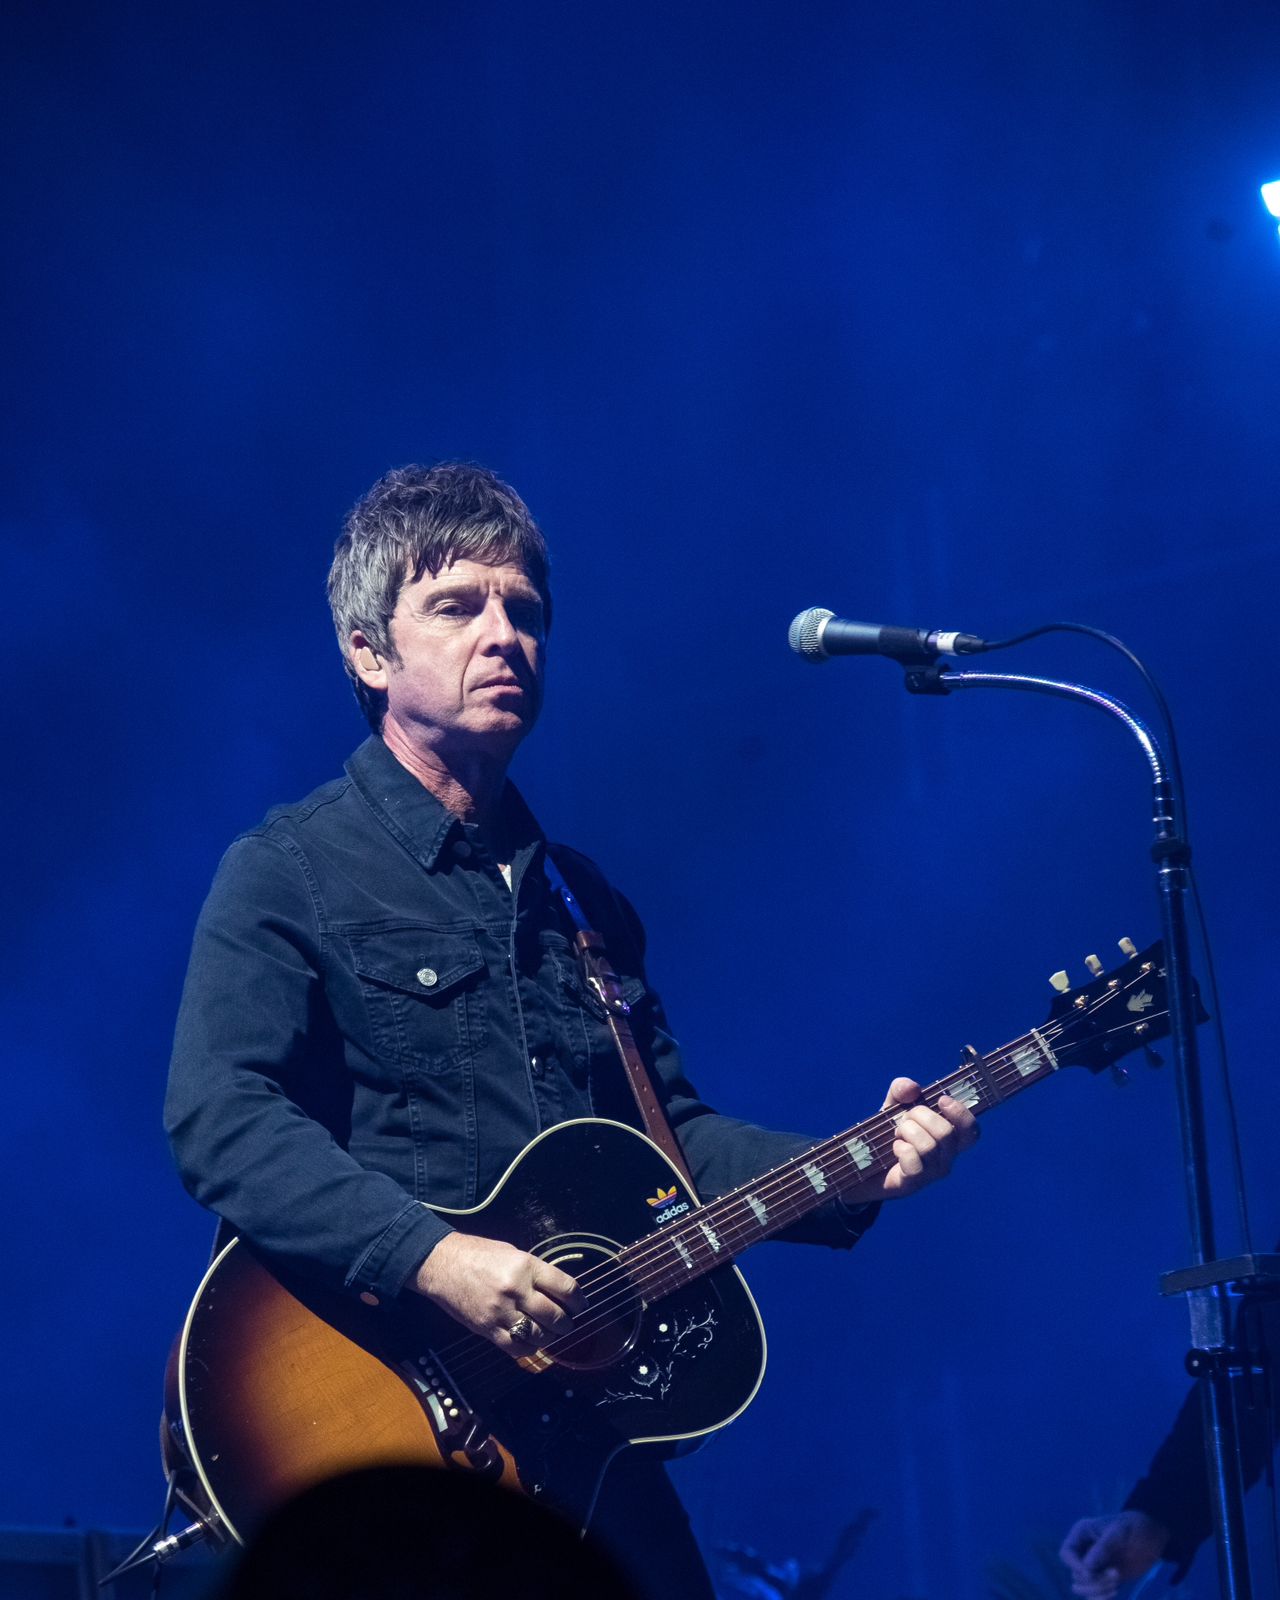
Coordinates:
(1101, 1553)
(488, 1286)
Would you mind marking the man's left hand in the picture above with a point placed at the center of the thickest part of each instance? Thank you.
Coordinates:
(926, 1142)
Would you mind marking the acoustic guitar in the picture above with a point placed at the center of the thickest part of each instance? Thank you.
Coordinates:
(274, 1384)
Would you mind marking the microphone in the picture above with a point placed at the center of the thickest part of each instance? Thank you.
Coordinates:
(818, 634)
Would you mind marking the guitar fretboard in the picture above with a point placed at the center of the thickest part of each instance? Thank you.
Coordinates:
(721, 1230)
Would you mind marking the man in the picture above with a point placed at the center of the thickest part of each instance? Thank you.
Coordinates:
(382, 1006)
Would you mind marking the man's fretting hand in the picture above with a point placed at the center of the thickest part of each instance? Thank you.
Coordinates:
(926, 1142)
(488, 1286)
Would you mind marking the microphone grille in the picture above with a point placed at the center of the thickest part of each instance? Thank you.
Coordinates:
(805, 633)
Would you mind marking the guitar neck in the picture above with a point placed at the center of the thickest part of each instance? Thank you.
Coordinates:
(722, 1229)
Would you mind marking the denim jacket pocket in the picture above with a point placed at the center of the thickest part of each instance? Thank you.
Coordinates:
(420, 992)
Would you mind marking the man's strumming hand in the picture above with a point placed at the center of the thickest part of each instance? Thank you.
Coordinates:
(489, 1286)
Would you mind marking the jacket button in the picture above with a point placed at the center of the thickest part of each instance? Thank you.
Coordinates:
(428, 977)
(462, 849)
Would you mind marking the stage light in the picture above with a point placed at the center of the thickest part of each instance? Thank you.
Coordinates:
(1271, 197)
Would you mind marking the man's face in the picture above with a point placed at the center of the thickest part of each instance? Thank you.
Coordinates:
(471, 642)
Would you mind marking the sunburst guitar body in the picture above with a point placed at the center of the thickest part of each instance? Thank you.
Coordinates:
(274, 1384)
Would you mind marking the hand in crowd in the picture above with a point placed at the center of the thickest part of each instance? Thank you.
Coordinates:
(1101, 1553)
(493, 1288)
(927, 1142)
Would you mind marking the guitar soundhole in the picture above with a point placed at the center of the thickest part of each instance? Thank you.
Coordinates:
(606, 1331)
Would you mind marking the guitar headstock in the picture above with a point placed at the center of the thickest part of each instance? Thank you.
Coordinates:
(1117, 1012)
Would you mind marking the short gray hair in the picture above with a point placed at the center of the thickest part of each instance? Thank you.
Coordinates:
(416, 520)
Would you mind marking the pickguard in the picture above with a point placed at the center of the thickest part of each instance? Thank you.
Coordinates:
(650, 1371)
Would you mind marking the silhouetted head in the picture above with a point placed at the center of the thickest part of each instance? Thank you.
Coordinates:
(416, 1533)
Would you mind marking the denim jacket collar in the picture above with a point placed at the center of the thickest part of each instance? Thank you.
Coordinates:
(409, 811)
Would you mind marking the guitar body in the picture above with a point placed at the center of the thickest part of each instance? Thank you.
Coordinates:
(274, 1384)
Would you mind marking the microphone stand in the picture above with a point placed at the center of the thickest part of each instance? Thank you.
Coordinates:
(1213, 1358)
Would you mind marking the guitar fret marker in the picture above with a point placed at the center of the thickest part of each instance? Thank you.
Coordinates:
(1028, 1062)
(859, 1152)
(966, 1092)
(760, 1209)
(712, 1237)
(816, 1176)
(1048, 1054)
(684, 1252)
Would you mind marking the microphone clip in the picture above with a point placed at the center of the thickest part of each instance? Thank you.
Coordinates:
(927, 680)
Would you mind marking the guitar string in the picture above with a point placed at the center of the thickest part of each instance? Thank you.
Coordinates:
(475, 1354)
(794, 1179)
(507, 1375)
(790, 1184)
(996, 1064)
(735, 1233)
(472, 1355)
(663, 1284)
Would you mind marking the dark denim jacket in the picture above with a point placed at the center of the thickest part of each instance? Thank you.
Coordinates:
(372, 1020)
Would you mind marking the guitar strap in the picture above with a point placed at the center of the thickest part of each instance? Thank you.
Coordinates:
(602, 981)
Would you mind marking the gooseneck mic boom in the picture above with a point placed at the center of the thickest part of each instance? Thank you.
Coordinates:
(818, 634)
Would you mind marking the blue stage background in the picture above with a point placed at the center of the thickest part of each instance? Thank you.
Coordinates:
(960, 316)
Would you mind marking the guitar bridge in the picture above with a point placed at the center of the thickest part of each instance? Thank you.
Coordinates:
(462, 1438)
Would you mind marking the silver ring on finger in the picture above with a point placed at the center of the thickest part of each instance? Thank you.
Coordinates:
(523, 1329)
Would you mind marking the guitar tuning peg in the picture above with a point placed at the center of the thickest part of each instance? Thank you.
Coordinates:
(1060, 982)
(1094, 965)
(1127, 947)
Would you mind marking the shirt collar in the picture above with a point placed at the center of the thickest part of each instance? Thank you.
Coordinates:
(412, 814)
